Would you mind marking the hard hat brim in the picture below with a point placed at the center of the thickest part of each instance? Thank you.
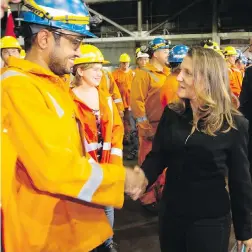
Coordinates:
(30, 17)
(79, 61)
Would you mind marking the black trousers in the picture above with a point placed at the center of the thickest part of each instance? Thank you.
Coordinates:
(183, 235)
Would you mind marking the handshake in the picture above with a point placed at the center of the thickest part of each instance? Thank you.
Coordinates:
(135, 182)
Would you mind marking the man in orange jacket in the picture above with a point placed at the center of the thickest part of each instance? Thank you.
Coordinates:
(53, 194)
(168, 93)
(141, 60)
(123, 77)
(235, 75)
(145, 99)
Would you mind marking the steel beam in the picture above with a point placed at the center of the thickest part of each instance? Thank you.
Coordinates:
(139, 17)
(148, 38)
(215, 36)
(111, 22)
(173, 16)
(235, 35)
(229, 35)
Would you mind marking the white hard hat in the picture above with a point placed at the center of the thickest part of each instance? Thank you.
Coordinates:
(142, 55)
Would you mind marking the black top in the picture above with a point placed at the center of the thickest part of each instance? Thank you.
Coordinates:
(195, 180)
(246, 106)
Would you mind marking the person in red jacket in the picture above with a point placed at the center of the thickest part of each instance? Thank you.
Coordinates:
(99, 116)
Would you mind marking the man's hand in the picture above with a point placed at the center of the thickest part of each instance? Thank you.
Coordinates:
(247, 243)
(135, 183)
(121, 113)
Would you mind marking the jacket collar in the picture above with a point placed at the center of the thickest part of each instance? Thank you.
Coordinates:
(33, 68)
(150, 67)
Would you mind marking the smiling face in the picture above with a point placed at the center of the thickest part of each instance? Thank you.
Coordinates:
(63, 50)
(91, 75)
(185, 78)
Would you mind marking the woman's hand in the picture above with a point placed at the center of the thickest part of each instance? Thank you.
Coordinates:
(247, 243)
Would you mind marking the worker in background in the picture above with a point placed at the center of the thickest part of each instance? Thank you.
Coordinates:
(209, 44)
(248, 51)
(146, 106)
(141, 58)
(54, 201)
(100, 119)
(235, 75)
(9, 47)
(108, 84)
(241, 61)
(123, 77)
(168, 93)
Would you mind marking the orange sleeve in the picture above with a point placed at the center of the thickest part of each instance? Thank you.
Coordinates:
(115, 93)
(234, 85)
(116, 153)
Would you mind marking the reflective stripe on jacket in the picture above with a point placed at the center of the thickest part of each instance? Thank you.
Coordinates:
(108, 84)
(111, 129)
(50, 206)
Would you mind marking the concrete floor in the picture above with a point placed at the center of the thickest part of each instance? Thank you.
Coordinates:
(136, 229)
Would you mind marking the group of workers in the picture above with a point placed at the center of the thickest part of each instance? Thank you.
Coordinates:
(63, 136)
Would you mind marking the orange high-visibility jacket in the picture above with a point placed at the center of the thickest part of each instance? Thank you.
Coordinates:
(124, 81)
(111, 129)
(235, 78)
(168, 92)
(108, 84)
(145, 97)
(56, 197)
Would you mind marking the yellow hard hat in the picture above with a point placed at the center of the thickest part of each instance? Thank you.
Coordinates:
(138, 50)
(124, 58)
(90, 54)
(212, 45)
(9, 42)
(22, 54)
(230, 51)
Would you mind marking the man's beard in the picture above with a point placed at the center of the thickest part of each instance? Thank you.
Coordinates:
(57, 65)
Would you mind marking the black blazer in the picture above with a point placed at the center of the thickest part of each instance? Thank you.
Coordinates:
(195, 178)
(246, 106)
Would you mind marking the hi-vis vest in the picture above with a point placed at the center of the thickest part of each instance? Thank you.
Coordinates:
(53, 193)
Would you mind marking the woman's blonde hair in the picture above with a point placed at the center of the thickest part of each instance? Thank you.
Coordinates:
(217, 107)
(77, 78)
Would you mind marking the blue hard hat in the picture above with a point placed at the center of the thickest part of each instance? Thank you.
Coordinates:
(159, 43)
(239, 53)
(63, 14)
(177, 53)
(244, 59)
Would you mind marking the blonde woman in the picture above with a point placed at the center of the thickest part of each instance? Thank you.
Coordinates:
(200, 138)
(100, 119)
